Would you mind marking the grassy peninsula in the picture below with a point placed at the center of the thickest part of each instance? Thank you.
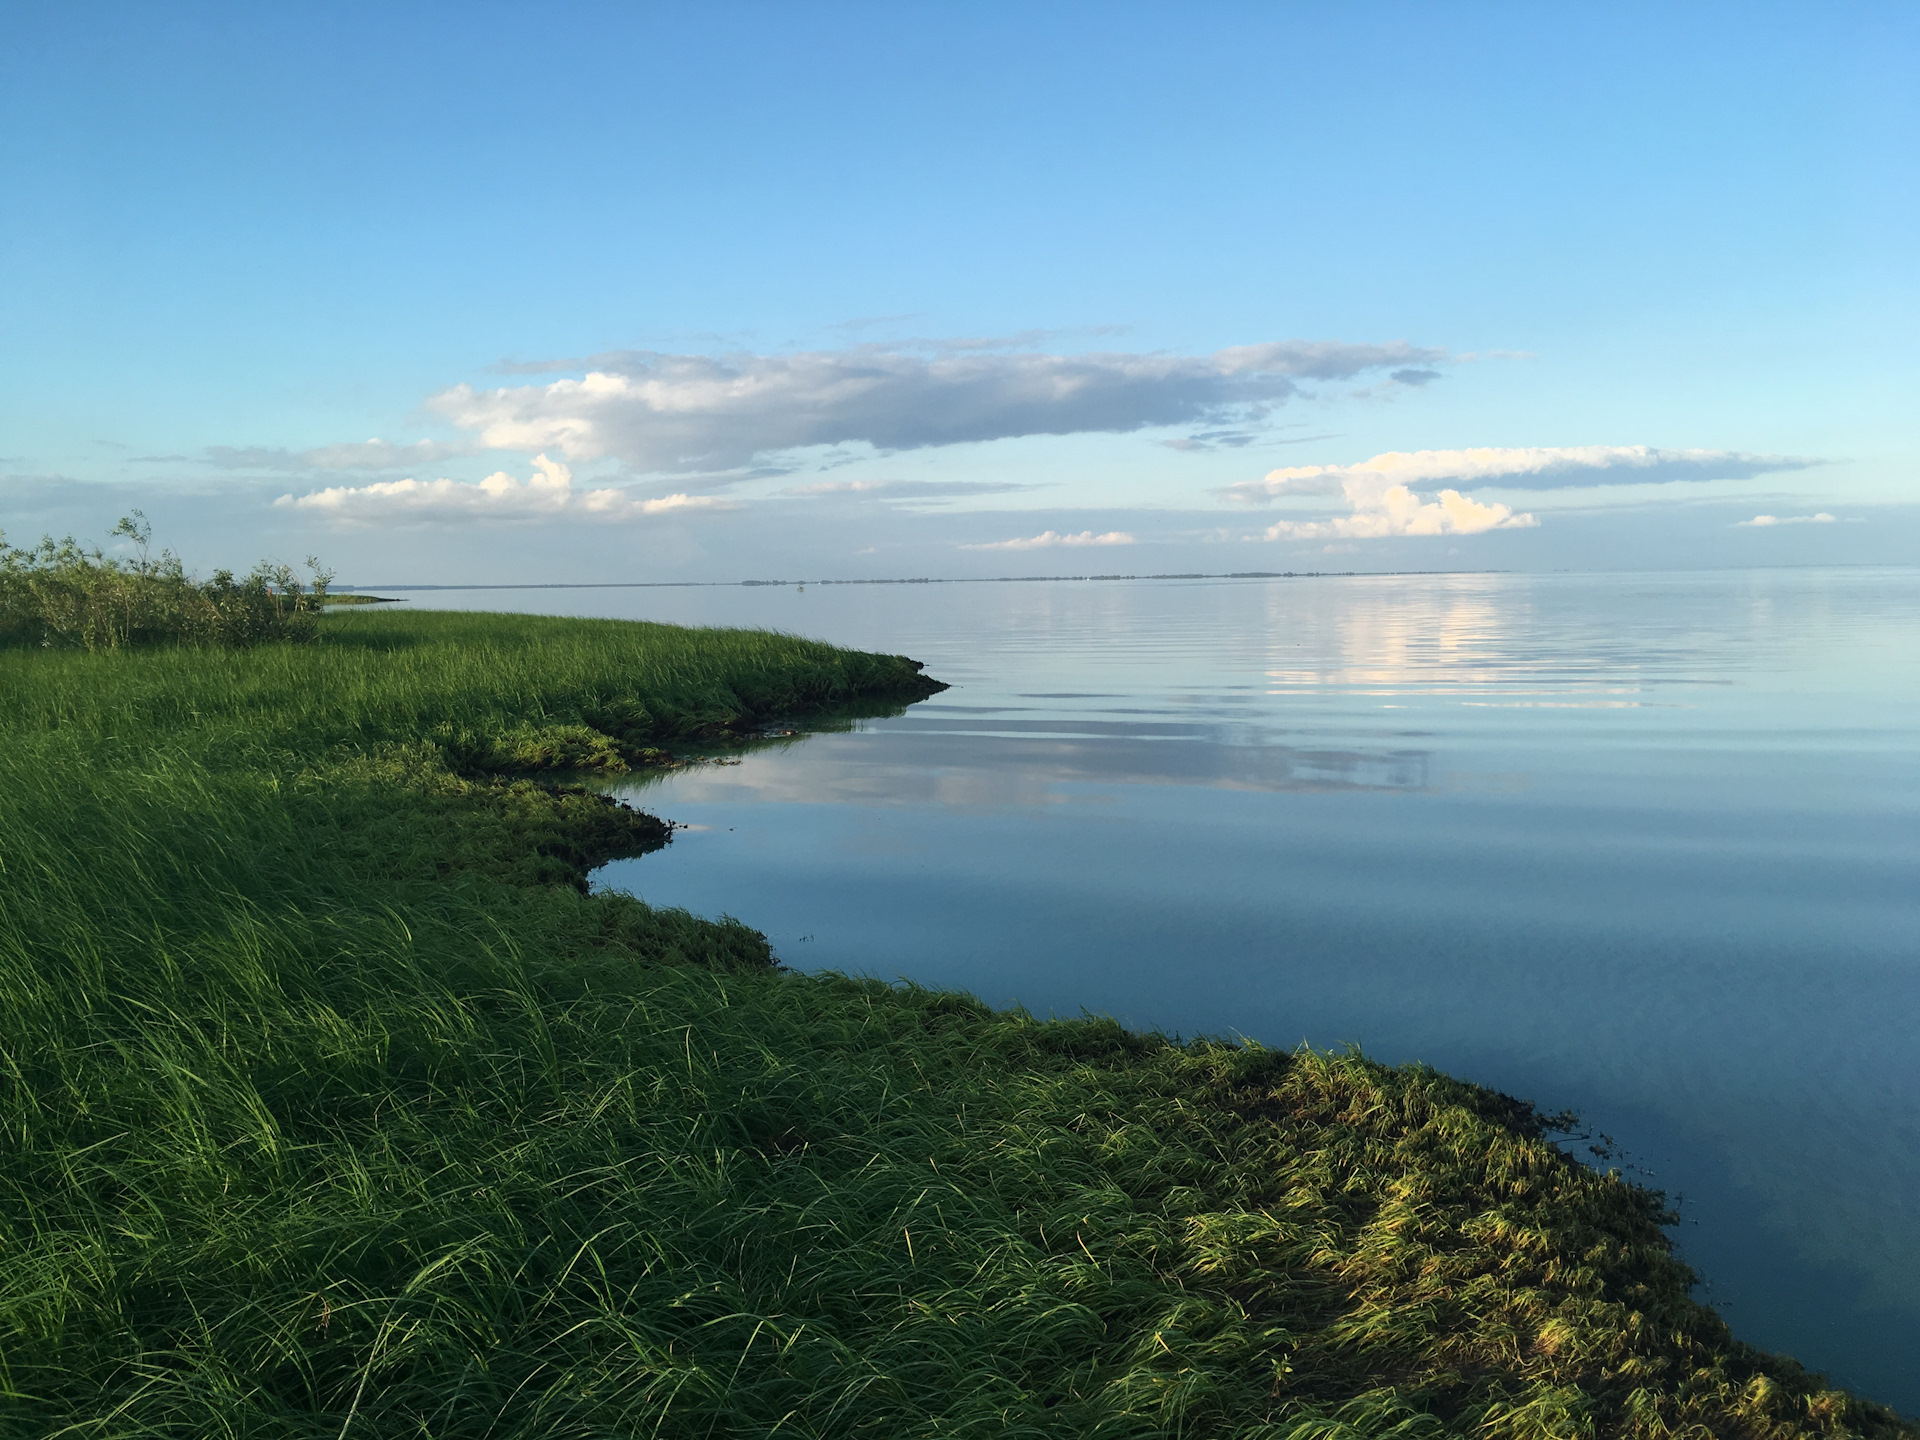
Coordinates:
(333, 1105)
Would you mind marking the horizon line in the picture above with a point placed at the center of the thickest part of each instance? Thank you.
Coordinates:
(910, 580)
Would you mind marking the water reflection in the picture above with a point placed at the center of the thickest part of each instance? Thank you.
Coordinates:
(998, 764)
(1643, 846)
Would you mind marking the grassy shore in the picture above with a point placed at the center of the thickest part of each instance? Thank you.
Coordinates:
(334, 1106)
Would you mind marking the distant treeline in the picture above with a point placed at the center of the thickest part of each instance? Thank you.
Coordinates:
(63, 595)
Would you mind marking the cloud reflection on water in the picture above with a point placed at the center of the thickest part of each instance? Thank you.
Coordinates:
(953, 767)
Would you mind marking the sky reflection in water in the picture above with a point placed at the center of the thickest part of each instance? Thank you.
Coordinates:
(1639, 845)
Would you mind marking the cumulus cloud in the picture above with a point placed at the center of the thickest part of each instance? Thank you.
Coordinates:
(1765, 520)
(659, 412)
(1381, 510)
(374, 454)
(1534, 467)
(547, 494)
(1047, 539)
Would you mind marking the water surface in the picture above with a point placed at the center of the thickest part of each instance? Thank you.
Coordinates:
(1643, 846)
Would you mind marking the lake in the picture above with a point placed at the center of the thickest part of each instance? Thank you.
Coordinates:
(1643, 846)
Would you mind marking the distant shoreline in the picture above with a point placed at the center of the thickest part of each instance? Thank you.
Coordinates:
(925, 580)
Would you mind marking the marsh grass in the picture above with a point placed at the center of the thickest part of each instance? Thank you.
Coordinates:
(334, 1106)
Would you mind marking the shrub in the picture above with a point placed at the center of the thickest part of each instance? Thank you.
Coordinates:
(60, 594)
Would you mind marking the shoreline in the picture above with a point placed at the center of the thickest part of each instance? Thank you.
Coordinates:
(463, 1140)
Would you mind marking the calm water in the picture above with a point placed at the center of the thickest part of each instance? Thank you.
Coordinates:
(1644, 846)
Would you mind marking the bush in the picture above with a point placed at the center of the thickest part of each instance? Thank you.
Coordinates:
(62, 595)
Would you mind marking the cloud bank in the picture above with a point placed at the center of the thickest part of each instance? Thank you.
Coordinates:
(662, 412)
(1535, 467)
(1762, 521)
(905, 490)
(1380, 511)
(374, 454)
(547, 494)
(1048, 539)
(1383, 500)
(1527, 467)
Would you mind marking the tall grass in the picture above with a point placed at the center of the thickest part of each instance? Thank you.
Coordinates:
(333, 1106)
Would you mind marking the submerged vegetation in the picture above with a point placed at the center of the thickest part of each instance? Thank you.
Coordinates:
(334, 1105)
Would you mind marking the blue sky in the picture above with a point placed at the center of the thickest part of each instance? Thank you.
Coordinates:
(842, 290)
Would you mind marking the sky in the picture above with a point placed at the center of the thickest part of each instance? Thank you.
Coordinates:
(580, 293)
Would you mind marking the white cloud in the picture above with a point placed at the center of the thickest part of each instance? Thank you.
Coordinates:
(1047, 539)
(1764, 520)
(1382, 510)
(548, 494)
(1534, 467)
(674, 412)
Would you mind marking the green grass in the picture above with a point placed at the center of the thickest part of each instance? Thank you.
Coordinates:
(334, 1106)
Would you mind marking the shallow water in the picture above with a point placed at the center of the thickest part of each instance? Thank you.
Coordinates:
(1639, 845)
